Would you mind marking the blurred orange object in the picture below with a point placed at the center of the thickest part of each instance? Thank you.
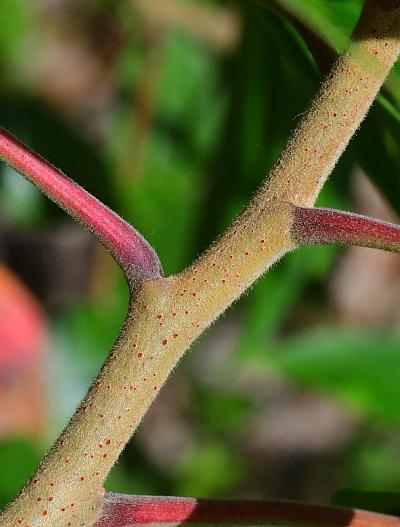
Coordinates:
(23, 333)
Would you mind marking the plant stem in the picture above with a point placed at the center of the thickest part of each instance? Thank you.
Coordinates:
(168, 314)
(131, 251)
(131, 511)
(328, 226)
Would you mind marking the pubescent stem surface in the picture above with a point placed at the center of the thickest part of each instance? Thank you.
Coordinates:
(313, 226)
(168, 314)
(131, 251)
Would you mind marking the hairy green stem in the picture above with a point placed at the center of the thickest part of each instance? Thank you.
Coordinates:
(166, 315)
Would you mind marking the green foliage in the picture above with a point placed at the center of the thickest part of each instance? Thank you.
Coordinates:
(18, 459)
(207, 469)
(384, 502)
(352, 365)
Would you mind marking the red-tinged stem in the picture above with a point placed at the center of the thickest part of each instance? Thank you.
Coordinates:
(131, 251)
(312, 226)
(128, 511)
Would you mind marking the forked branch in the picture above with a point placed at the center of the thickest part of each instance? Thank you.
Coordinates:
(166, 315)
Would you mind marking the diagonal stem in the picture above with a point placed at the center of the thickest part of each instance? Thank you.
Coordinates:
(169, 314)
(128, 247)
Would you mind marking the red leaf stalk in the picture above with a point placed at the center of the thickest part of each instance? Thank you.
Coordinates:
(132, 511)
(128, 247)
(328, 226)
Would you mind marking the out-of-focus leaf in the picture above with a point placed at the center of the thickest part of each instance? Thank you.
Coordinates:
(359, 368)
(82, 338)
(162, 199)
(191, 71)
(18, 460)
(264, 107)
(46, 133)
(18, 15)
(331, 21)
(224, 413)
(264, 115)
(377, 149)
(265, 97)
(164, 204)
(384, 502)
(208, 469)
(376, 146)
(277, 294)
(334, 20)
(371, 462)
(20, 201)
(137, 477)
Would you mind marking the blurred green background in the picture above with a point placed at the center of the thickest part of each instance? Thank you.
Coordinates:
(172, 112)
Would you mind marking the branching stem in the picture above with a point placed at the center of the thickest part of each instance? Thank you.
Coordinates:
(166, 315)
